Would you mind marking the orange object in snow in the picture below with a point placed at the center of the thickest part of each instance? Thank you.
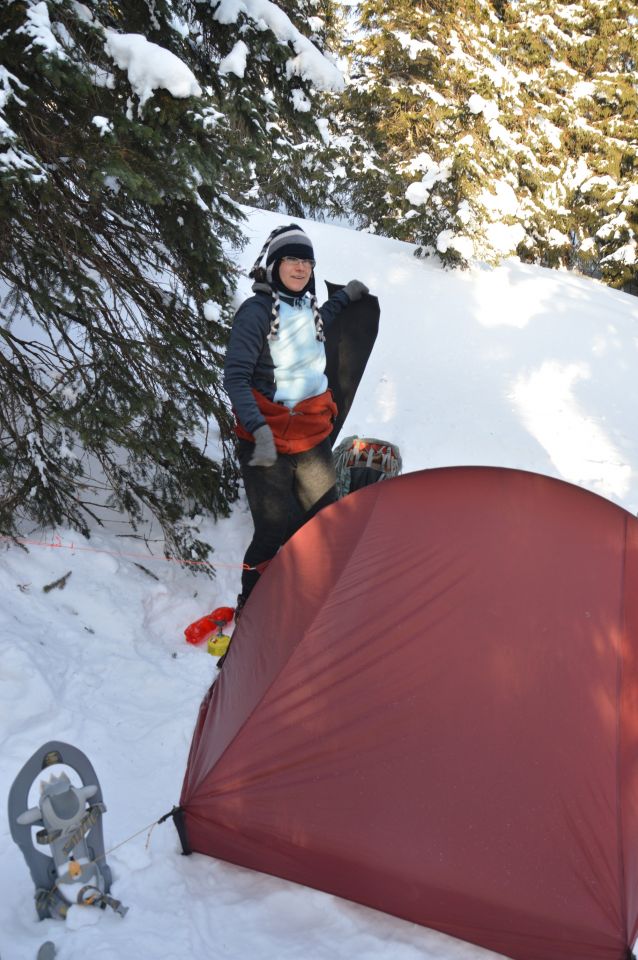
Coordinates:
(202, 629)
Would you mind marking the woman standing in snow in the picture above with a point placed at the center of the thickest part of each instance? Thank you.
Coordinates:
(275, 377)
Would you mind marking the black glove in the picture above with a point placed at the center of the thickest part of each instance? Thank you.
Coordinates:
(355, 289)
(265, 453)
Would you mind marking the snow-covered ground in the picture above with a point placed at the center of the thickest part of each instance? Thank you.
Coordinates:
(517, 367)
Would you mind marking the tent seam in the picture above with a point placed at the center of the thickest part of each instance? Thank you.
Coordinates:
(347, 558)
(619, 688)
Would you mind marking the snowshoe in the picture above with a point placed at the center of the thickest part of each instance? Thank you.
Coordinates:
(74, 870)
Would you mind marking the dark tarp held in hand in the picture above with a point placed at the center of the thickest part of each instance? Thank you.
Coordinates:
(431, 707)
(349, 342)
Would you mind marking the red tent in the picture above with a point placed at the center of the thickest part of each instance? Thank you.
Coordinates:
(431, 707)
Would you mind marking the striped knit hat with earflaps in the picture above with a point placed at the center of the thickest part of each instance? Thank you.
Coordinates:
(290, 241)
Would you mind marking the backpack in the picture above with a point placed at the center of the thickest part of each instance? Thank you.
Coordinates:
(360, 461)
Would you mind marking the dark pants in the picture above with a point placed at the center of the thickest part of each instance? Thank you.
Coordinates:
(282, 498)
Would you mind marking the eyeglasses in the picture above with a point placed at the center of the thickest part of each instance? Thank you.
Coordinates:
(296, 261)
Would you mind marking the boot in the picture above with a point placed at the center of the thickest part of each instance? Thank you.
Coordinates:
(239, 606)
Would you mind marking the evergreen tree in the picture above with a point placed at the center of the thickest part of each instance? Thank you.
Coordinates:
(272, 87)
(415, 70)
(124, 146)
(593, 78)
(482, 129)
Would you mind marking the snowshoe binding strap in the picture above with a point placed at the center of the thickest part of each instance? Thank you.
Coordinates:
(90, 896)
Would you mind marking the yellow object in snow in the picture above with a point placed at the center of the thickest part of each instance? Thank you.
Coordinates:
(218, 645)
